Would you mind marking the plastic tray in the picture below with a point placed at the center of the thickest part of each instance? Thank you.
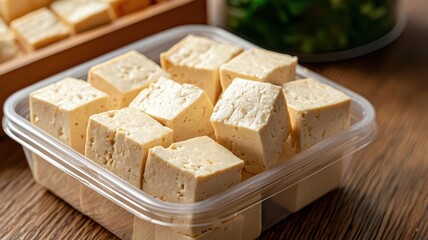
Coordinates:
(261, 188)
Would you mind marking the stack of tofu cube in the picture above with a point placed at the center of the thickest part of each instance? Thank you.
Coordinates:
(213, 116)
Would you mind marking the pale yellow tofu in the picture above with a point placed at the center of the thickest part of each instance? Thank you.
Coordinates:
(196, 60)
(123, 7)
(82, 15)
(251, 120)
(57, 181)
(317, 111)
(62, 109)
(186, 109)
(8, 47)
(38, 29)
(259, 65)
(12, 9)
(119, 140)
(123, 77)
(192, 171)
(231, 229)
(311, 188)
(108, 214)
(252, 222)
(143, 230)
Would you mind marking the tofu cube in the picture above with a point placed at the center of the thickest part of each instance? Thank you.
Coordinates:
(12, 9)
(259, 65)
(38, 29)
(317, 111)
(123, 77)
(310, 189)
(192, 170)
(123, 7)
(62, 109)
(251, 120)
(108, 214)
(252, 222)
(231, 229)
(82, 15)
(186, 109)
(119, 140)
(196, 60)
(8, 47)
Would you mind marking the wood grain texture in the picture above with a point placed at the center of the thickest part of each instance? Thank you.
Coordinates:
(385, 194)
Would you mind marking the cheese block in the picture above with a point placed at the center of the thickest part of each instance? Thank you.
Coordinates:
(196, 60)
(143, 230)
(12, 9)
(123, 77)
(57, 181)
(108, 214)
(8, 47)
(185, 108)
(123, 7)
(232, 229)
(192, 171)
(251, 120)
(62, 109)
(82, 15)
(317, 111)
(259, 65)
(38, 29)
(119, 140)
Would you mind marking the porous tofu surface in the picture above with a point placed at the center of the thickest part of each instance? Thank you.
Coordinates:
(317, 111)
(308, 94)
(68, 94)
(119, 140)
(39, 28)
(190, 170)
(184, 108)
(200, 52)
(196, 60)
(63, 109)
(123, 77)
(259, 65)
(251, 120)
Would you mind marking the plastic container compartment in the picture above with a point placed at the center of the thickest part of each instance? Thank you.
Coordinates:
(130, 213)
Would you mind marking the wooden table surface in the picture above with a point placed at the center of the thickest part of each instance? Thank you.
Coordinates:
(385, 194)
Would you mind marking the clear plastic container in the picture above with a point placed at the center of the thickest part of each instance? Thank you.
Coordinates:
(130, 213)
